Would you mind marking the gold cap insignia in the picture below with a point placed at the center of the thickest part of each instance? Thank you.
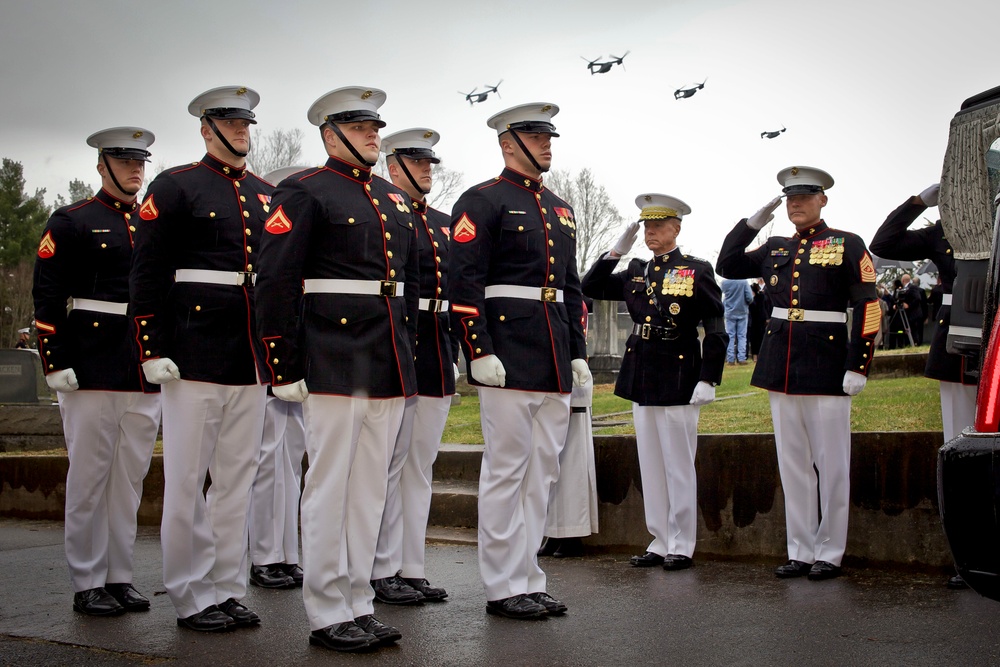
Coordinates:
(547, 107)
(137, 135)
(365, 95)
(795, 171)
(241, 91)
(428, 135)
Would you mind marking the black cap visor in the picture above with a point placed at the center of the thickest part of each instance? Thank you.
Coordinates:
(355, 116)
(534, 127)
(417, 154)
(229, 113)
(802, 190)
(127, 153)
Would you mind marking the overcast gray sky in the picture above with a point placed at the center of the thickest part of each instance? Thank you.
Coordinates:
(865, 88)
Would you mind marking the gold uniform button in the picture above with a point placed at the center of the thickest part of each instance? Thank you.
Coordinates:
(474, 336)
(249, 267)
(97, 324)
(478, 350)
(551, 277)
(863, 356)
(439, 274)
(802, 242)
(248, 232)
(211, 214)
(424, 218)
(438, 290)
(648, 318)
(275, 360)
(375, 201)
(242, 198)
(350, 221)
(51, 367)
(548, 225)
(104, 245)
(148, 353)
(472, 323)
(798, 261)
(343, 320)
(197, 307)
(368, 187)
(795, 302)
(861, 367)
(430, 231)
(145, 337)
(435, 244)
(384, 217)
(388, 236)
(795, 288)
(940, 321)
(680, 356)
(503, 317)
(272, 346)
(131, 228)
(552, 260)
(392, 273)
(551, 243)
(388, 253)
(236, 183)
(279, 378)
(246, 214)
(45, 340)
(143, 323)
(520, 228)
(544, 210)
(831, 338)
(794, 275)
(538, 197)
(128, 216)
(48, 353)
(437, 259)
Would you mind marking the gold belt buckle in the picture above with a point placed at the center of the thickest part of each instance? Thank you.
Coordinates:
(387, 288)
(796, 315)
(644, 331)
(549, 294)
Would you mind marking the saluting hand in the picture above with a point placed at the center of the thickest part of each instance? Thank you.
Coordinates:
(626, 240)
(764, 215)
(930, 195)
(489, 371)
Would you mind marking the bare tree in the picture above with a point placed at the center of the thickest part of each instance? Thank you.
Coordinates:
(598, 222)
(280, 148)
(446, 188)
(17, 308)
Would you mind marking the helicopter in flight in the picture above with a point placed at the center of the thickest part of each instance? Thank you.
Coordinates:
(596, 67)
(474, 97)
(682, 93)
(772, 134)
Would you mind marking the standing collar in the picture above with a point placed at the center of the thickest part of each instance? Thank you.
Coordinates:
(818, 228)
(520, 180)
(115, 203)
(227, 170)
(351, 171)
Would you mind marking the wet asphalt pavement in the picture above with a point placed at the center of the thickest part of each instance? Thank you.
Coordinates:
(717, 613)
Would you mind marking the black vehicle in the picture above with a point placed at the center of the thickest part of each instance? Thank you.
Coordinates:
(969, 465)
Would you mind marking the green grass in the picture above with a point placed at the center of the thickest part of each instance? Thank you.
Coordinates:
(897, 404)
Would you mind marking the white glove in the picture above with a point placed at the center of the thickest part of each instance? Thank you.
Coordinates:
(625, 241)
(581, 373)
(295, 392)
(764, 215)
(458, 373)
(64, 380)
(854, 383)
(703, 394)
(930, 196)
(160, 371)
(489, 371)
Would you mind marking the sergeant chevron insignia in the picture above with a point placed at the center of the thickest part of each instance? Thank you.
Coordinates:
(47, 246)
(464, 230)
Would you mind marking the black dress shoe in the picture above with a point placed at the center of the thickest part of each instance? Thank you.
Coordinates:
(793, 568)
(516, 606)
(552, 606)
(209, 619)
(270, 576)
(957, 583)
(569, 547)
(386, 634)
(294, 571)
(648, 559)
(344, 637)
(241, 616)
(677, 562)
(128, 597)
(549, 546)
(822, 570)
(96, 602)
(393, 590)
(430, 593)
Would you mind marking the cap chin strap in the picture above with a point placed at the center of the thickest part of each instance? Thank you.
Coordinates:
(211, 124)
(399, 161)
(531, 158)
(111, 173)
(350, 146)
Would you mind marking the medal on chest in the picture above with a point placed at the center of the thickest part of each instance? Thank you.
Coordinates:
(827, 252)
(678, 282)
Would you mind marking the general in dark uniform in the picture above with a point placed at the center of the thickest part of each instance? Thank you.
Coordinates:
(110, 415)
(338, 296)
(808, 363)
(666, 372)
(516, 307)
(193, 304)
(274, 499)
(398, 575)
(958, 385)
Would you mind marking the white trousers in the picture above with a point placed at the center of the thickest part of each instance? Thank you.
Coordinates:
(666, 439)
(814, 431)
(109, 439)
(573, 499)
(524, 433)
(274, 499)
(216, 429)
(408, 497)
(958, 408)
(349, 442)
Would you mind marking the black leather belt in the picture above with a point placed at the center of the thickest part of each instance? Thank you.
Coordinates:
(653, 332)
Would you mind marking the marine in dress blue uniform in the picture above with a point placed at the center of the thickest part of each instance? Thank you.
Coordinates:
(110, 414)
(808, 363)
(516, 309)
(193, 304)
(666, 372)
(338, 296)
(398, 576)
(894, 240)
(274, 498)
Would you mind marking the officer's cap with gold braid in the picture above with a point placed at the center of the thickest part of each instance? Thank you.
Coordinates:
(124, 143)
(416, 143)
(348, 105)
(653, 206)
(804, 180)
(533, 117)
(226, 102)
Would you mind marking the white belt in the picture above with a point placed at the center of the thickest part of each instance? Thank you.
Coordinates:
(109, 307)
(363, 287)
(550, 294)
(946, 299)
(970, 332)
(235, 278)
(434, 305)
(802, 315)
